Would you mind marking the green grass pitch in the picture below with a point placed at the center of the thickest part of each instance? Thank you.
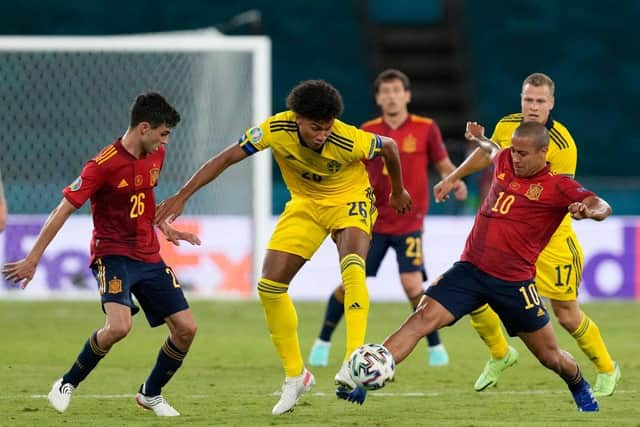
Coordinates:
(232, 375)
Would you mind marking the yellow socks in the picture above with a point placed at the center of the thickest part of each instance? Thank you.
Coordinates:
(487, 324)
(590, 341)
(282, 321)
(356, 301)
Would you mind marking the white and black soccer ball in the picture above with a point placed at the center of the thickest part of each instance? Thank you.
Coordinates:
(371, 366)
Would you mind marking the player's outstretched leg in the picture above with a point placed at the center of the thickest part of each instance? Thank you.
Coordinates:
(60, 395)
(436, 352)
(292, 389)
(157, 404)
(347, 389)
(494, 368)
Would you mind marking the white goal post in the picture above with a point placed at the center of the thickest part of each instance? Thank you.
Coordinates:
(64, 97)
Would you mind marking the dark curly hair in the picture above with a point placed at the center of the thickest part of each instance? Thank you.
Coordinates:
(315, 100)
(153, 108)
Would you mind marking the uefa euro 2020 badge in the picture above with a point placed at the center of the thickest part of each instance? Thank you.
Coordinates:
(75, 185)
(255, 135)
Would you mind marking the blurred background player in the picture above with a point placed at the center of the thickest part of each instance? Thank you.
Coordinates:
(125, 253)
(559, 266)
(420, 144)
(525, 205)
(320, 159)
(3, 207)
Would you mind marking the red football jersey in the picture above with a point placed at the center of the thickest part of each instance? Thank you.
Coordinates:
(122, 202)
(517, 218)
(419, 143)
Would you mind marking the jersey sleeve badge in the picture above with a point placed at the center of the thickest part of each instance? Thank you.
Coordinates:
(75, 185)
(255, 134)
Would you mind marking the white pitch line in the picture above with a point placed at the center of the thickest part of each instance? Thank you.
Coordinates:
(323, 394)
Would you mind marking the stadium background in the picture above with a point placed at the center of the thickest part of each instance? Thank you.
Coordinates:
(466, 59)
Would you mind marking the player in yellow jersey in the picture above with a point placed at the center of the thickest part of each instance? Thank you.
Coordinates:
(559, 266)
(320, 160)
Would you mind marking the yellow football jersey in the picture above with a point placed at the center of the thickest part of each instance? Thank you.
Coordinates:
(333, 174)
(562, 155)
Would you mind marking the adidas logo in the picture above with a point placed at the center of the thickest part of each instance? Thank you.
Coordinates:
(540, 312)
(355, 306)
(123, 183)
(501, 175)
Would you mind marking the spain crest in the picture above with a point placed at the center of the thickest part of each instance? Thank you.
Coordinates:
(115, 286)
(534, 191)
(153, 176)
(409, 144)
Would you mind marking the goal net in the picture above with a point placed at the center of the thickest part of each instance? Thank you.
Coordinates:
(63, 98)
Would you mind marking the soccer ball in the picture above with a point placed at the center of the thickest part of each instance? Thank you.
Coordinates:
(371, 366)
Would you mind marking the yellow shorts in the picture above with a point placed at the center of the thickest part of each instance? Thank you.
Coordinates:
(305, 223)
(559, 267)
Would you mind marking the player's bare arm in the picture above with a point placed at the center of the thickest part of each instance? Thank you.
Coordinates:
(445, 167)
(400, 199)
(23, 271)
(478, 160)
(172, 207)
(174, 235)
(593, 207)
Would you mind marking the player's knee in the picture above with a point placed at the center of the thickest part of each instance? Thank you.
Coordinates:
(188, 332)
(427, 321)
(185, 334)
(270, 290)
(116, 332)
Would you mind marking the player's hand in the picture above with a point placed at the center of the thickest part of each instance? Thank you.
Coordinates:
(579, 210)
(169, 210)
(460, 190)
(20, 271)
(442, 189)
(401, 202)
(174, 235)
(474, 131)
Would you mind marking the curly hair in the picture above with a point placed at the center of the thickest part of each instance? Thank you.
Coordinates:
(153, 108)
(315, 100)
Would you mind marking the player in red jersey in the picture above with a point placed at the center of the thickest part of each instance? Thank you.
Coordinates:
(525, 205)
(125, 256)
(420, 144)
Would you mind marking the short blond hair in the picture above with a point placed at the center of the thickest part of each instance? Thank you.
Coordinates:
(539, 79)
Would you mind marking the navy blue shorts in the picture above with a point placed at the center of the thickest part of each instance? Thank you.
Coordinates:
(464, 288)
(408, 248)
(153, 284)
